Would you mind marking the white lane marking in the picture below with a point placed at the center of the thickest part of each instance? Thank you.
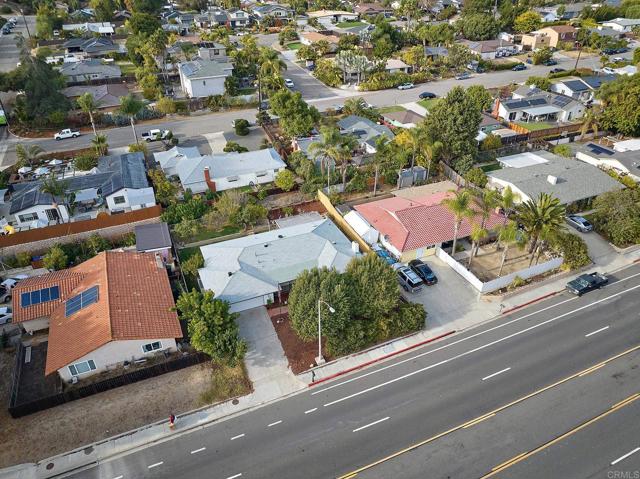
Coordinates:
(596, 331)
(453, 343)
(237, 437)
(155, 465)
(234, 477)
(196, 451)
(274, 423)
(479, 348)
(311, 410)
(371, 424)
(118, 477)
(495, 374)
(622, 458)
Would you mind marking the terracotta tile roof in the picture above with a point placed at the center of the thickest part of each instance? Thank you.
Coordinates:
(134, 302)
(66, 280)
(418, 222)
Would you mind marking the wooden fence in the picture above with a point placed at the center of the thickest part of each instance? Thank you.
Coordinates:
(337, 218)
(17, 409)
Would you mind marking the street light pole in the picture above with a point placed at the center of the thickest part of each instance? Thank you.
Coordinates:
(320, 358)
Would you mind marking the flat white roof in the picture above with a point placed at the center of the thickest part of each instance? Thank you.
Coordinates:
(542, 110)
(627, 145)
(521, 160)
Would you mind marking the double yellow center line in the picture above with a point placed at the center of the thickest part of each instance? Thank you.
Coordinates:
(491, 414)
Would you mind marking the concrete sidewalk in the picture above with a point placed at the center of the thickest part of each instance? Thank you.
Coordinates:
(273, 380)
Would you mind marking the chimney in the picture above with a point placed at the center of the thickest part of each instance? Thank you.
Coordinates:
(496, 108)
(552, 179)
(207, 177)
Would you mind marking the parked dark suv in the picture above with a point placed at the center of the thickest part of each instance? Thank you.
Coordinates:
(423, 271)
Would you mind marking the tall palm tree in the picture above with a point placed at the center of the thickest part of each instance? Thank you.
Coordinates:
(485, 201)
(343, 155)
(100, 145)
(507, 203)
(508, 234)
(270, 72)
(591, 121)
(379, 159)
(89, 105)
(28, 154)
(478, 233)
(428, 152)
(57, 189)
(130, 106)
(460, 206)
(329, 139)
(545, 214)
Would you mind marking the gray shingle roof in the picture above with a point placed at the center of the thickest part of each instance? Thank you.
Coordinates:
(364, 128)
(576, 180)
(200, 68)
(152, 237)
(88, 67)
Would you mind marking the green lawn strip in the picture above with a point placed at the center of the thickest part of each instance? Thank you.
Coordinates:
(428, 103)
(535, 126)
(351, 24)
(392, 109)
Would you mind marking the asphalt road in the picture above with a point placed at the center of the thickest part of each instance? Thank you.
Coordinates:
(9, 53)
(353, 421)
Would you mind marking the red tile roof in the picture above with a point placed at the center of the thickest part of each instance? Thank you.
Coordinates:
(414, 223)
(66, 280)
(134, 302)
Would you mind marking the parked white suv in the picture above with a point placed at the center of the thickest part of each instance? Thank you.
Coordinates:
(66, 133)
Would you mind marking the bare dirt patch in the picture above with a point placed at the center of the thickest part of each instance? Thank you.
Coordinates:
(487, 264)
(72, 425)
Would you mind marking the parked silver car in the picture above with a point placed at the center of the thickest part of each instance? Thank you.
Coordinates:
(580, 223)
(408, 279)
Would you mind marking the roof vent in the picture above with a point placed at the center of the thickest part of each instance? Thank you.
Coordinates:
(552, 179)
(280, 236)
(229, 273)
(266, 245)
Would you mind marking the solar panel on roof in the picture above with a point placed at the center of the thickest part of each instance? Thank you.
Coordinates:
(43, 295)
(537, 101)
(561, 101)
(81, 301)
(599, 149)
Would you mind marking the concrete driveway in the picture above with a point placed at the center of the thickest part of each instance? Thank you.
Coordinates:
(600, 251)
(452, 302)
(265, 361)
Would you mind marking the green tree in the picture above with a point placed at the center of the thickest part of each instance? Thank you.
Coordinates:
(230, 203)
(55, 259)
(617, 215)
(187, 228)
(375, 286)
(85, 162)
(251, 214)
(27, 155)
(591, 121)
(478, 26)
(166, 105)
(89, 105)
(57, 189)
(327, 72)
(542, 55)
(460, 207)
(621, 105)
(478, 234)
(485, 201)
(96, 244)
(130, 106)
(480, 97)
(545, 215)
(307, 53)
(212, 327)
(491, 142)
(540, 82)
(527, 22)
(165, 190)
(477, 177)
(285, 180)
(297, 118)
(104, 9)
(100, 146)
(380, 159)
(144, 24)
(241, 127)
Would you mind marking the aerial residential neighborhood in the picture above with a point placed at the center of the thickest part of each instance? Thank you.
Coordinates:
(323, 239)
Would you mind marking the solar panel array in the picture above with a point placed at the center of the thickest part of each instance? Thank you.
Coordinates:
(44, 295)
(599, 149)
(561, 100)
(80, 301)
(526, 103)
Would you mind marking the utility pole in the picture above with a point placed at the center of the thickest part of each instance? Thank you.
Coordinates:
(579, 45)
(25, 23)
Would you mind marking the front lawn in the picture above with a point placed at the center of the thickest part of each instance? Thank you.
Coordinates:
(428, 103)
(127, 68)
(490, 167)
(350, 24)
(392, 109)
(294, 46)
(535, 125)
(207, 234)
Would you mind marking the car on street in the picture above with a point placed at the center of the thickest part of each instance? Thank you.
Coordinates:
(587, 282)
(618, 59)
(408, 279)
(5, 314)
(288, 82)
(425, 95)
(406, 86)
(557, 70)
(425, 273)
(66, 133)
(155, 135)
(463, 76)
(609, 51)
(550, 62)
(608, 71)
(580, 223)
(519, 67)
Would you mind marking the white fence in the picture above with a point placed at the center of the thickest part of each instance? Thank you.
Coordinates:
(502, 281)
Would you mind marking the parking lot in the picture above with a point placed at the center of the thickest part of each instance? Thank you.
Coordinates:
(452, 303)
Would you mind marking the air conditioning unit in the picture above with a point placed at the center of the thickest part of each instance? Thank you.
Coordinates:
(74, 380)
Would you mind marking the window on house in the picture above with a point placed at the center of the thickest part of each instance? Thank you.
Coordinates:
(261, 173)
(28, 217)
(82, 367)
(204, 82)
(512, 116)
(231, 179)
(150, 347)
(39, 296)
(52, 214)
(118, 200)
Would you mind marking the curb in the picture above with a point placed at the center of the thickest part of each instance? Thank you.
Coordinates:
(381, 358)
(540, 298)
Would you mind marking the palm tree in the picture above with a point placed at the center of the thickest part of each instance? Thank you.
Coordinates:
(343, 155)
(131, 106)
(485, 201)
(460, 206)
(99, 143)
(507, 203)
(379, 159)
(591, 121)
(89, 105)
(478, 233)
(28, 154)
(544, 215)
(57, 190)
(270, 72)
(508, 234)
(428, 152)
(329, 139)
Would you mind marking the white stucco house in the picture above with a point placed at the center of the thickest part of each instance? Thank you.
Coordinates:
(226, 171)
(202, 78)
(530, 104)
(113, 308)
(622, 162)
(623, 25)
(251, 271)
(168, 160)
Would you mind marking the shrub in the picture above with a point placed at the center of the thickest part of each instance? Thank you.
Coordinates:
(193, 263)
(241, 127)
(85, 162)
(5, 9)
(563, 150)
(491, 142)
(138, 147)
(572, 248)
(617, 215)
(187, 229)
(232, 146)
(477, 177)
(285, 180)
(55, 259)
(166, 105)
(517, 282)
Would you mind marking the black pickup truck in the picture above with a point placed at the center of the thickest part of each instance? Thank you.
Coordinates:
(586, 282)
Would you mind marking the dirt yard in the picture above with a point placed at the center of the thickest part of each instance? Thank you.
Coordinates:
(53, 431)
(487, 264)
(301, 354)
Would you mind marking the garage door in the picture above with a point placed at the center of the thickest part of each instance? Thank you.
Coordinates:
(247, 304)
